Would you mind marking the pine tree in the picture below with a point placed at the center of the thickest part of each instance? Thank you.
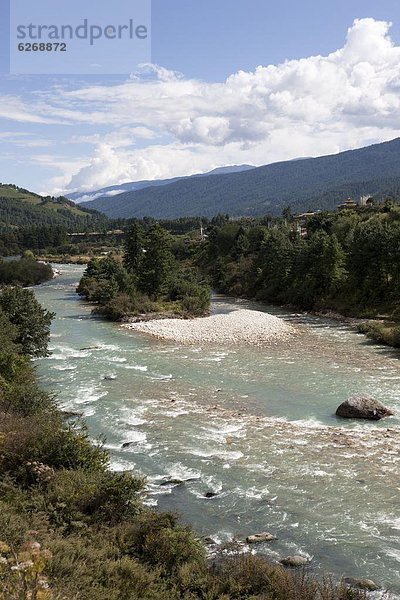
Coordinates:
(158, 261)
(134, 246)
(32, 322)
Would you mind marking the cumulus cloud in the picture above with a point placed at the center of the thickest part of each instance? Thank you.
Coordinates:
(159, 124)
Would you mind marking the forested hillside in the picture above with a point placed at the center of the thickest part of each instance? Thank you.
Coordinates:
(99, 198)
(314, 183)
(21, 208)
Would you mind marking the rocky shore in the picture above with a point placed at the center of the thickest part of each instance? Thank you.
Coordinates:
(248, 327)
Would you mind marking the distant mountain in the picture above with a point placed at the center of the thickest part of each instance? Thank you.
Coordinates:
(21, 208)
(309, 184)
(105, 193)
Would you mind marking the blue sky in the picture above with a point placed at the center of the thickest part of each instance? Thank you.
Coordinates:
(319, 89)
(212, 39)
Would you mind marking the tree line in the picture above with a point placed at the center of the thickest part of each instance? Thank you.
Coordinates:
(347, 261)
(32, 237)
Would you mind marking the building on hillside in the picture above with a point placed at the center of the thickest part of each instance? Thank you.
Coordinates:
(349, 204)
(300, 222)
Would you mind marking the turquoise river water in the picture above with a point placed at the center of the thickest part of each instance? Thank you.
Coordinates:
(254, 426)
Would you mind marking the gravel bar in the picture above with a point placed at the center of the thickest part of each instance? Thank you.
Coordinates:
(249, 327)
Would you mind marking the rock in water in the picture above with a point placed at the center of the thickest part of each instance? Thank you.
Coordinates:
(260, 537)
(294, 561)
(128, 444)
(361, 584)
(208, 541)
(171, 481)
(363, 407)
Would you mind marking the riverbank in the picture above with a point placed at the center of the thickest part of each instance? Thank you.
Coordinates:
(242, 326)
(379, 330)
(65, 259)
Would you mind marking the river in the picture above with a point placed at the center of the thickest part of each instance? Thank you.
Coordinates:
(255, 427)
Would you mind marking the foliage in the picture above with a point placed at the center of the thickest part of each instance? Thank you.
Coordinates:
(384, 333)
(150, 279)
(134, 249)
(25, 272)
(22, 574)
(348, 261)
(157, 262)
(193, 295)
(32, 322)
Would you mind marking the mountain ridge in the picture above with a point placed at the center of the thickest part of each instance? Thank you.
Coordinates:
(304, 184)
(133, 186)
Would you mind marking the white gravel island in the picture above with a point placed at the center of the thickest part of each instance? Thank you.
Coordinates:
(251, 327)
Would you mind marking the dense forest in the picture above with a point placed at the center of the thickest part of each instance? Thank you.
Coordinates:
(37, 238)
(348, 262)
(70, 528)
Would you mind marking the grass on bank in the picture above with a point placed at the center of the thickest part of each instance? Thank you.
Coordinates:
(384, 332)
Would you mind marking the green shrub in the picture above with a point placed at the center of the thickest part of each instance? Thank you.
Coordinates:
(26, 271)
(196, 306)
(28, 442)
(20, 390)
(169, 549)
(125, 305)
(92, 566)
(193, 297)
(93, 496)
(31, 321)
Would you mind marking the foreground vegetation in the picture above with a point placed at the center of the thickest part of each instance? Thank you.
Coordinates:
(148, 279)
(71, 529)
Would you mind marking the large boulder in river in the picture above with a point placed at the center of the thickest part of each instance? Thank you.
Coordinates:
(295, 561)
(260, 537)
(361, 584)
(363, 407)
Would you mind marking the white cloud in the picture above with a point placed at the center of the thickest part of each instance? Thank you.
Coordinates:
(14, 109)
(316, 105)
